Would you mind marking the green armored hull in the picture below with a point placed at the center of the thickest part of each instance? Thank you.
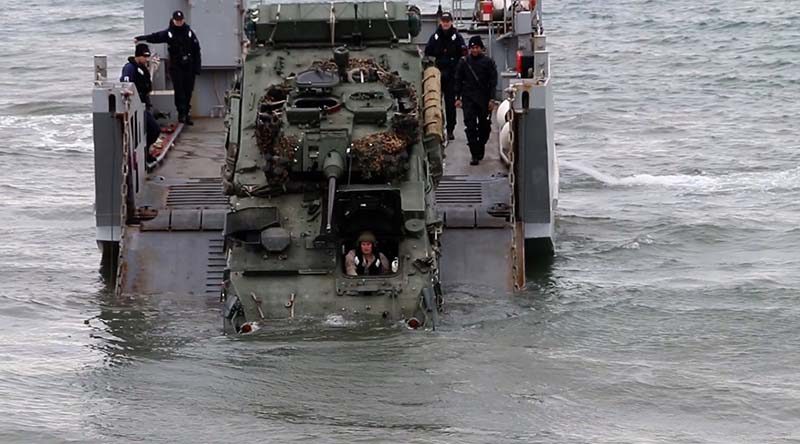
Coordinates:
(328, 139)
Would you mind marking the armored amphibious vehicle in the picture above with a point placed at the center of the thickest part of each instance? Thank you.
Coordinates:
(332, 128)
(329, 139)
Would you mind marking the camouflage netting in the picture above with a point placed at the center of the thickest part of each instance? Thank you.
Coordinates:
(374, 71)
(278, 150)
(381, 154)
(268, 125)
(268, 128)
(385, 154)
(286, 147)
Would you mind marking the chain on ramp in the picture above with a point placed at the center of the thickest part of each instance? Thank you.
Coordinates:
(517, 236)
(125, 170)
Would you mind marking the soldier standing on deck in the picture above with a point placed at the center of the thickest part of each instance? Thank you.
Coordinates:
(136, 72)
(447, 46)
(475, 82)
(184, 61)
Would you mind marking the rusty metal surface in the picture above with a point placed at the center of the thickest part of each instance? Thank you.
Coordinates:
(518, 260)
(169, 262)
(185, 220)
(180, 250)
(477, 256)
(199, 152)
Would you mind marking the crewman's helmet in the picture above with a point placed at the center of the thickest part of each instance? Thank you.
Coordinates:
(367, 236)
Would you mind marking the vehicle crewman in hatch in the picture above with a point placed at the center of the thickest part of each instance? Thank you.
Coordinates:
(365, 259)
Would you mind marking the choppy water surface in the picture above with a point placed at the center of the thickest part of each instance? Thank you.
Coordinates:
(670, 314)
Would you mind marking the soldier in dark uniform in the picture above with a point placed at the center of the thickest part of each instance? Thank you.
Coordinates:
(184, 61)
(447, 46)
(475, 82)
(136, 71)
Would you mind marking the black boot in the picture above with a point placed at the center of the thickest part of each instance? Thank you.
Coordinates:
(480, 152)
(475, 155)
(181, 118)
(450, 135)
(188, 120)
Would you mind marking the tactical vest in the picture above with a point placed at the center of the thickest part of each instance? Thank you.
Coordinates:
(362, 269)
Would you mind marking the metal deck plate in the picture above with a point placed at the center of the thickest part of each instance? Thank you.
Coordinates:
(180, 251)
(459, 192)
(202, 193)
(473, 201)
(482, 257)
(176, 262)
(216, 266)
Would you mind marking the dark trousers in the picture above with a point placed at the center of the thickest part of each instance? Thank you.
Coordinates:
(449, 96)
(477, 126)
(152, 131)
(183, 84)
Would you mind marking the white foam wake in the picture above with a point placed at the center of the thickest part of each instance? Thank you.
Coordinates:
(50, 133)
(784, 180)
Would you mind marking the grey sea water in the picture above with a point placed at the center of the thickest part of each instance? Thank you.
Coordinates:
(669, 316)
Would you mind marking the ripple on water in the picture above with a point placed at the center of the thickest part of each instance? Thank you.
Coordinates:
(669, 314)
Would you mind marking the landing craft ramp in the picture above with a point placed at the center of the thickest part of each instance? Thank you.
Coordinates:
(161, 230)
(180, 250)
(474, 202)
(497, 213)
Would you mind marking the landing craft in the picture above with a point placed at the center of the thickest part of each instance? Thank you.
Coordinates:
(332, 128)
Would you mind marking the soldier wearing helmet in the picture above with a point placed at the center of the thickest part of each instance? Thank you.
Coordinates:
(365, 259)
